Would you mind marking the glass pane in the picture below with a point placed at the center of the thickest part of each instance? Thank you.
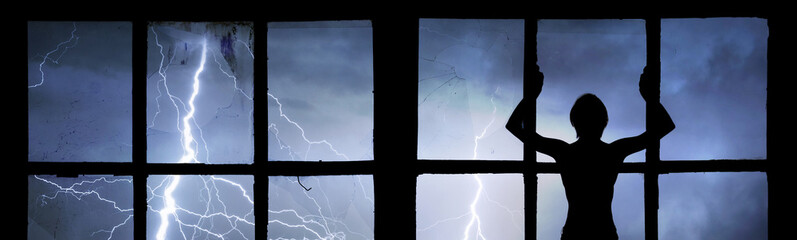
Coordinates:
(79, 91)
(199, 92)
(470, 206)
(321, 207)
(470, 78)
(602, 57)
(84, 207)
(628, 206)
(320, 91)
(713, 81)
(200, 207)
(713, 206)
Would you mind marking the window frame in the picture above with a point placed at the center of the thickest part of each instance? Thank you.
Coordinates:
(395, 167)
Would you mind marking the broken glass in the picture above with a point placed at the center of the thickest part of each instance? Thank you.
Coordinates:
(470, 78)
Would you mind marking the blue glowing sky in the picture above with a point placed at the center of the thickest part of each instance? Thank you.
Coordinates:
(93, 68)
(470, 79)
(713, 85)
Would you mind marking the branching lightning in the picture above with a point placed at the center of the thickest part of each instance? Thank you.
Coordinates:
(474, 224)
(189, 154)
(193, 224)
(54, 56)
(321, 224)
(303, 135)
(73, 39)
(318, 225)
(88, 195)
(474, 215)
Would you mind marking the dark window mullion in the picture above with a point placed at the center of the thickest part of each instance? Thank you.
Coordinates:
(139, 112)
(468, 166)
(653, 69)
(530, 169)
(261, 163)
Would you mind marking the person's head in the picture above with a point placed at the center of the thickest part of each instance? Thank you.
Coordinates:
(588, 116)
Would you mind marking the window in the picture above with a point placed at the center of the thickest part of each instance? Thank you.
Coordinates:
(79, 86)
(391, 173)
(320, 109)
(200, 92)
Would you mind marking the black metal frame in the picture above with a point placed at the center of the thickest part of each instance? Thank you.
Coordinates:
(396, 168)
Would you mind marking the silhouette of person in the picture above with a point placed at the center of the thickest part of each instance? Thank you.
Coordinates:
(589, 165)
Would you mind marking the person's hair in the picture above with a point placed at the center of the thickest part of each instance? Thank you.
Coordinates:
(588, 115)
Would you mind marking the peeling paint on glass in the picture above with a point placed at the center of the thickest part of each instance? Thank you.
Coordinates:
(200, 92)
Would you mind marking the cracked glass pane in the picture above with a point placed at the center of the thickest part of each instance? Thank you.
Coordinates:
(628, 206)
(84, 207)
(200, 207)
(470, 78)
(199, 92)
(320, 91)
(602, 57)
(321, 207)
(79, 91)
(714, 83)
(486, 206)
(713, 206)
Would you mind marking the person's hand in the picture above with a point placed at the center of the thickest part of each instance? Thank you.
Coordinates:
(536, 81)
(648, 87)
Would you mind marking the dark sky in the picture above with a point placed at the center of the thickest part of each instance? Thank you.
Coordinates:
(322, 75)
(713, 85)
(81, 110)
(470, 79)
(320, 106)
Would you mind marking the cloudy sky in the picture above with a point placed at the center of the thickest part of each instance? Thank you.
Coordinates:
(222, 122)
(470, 80)
(713, 84)
(320, 89)
(80, 95)
(84, 207)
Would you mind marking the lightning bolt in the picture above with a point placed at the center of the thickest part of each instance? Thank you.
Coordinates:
(74, 191)
(303, 135)
(474, 223)
(318, 224)
(474, 215)
(321, 224)
(189, 154)
(57, 48)
(54, 56)
(191, 138)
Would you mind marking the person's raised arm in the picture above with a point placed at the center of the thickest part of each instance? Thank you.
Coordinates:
(548, 146)
(649, 89)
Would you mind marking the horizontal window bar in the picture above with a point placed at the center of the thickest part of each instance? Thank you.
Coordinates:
(664, 167)
(290, 168)
(284, 168)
